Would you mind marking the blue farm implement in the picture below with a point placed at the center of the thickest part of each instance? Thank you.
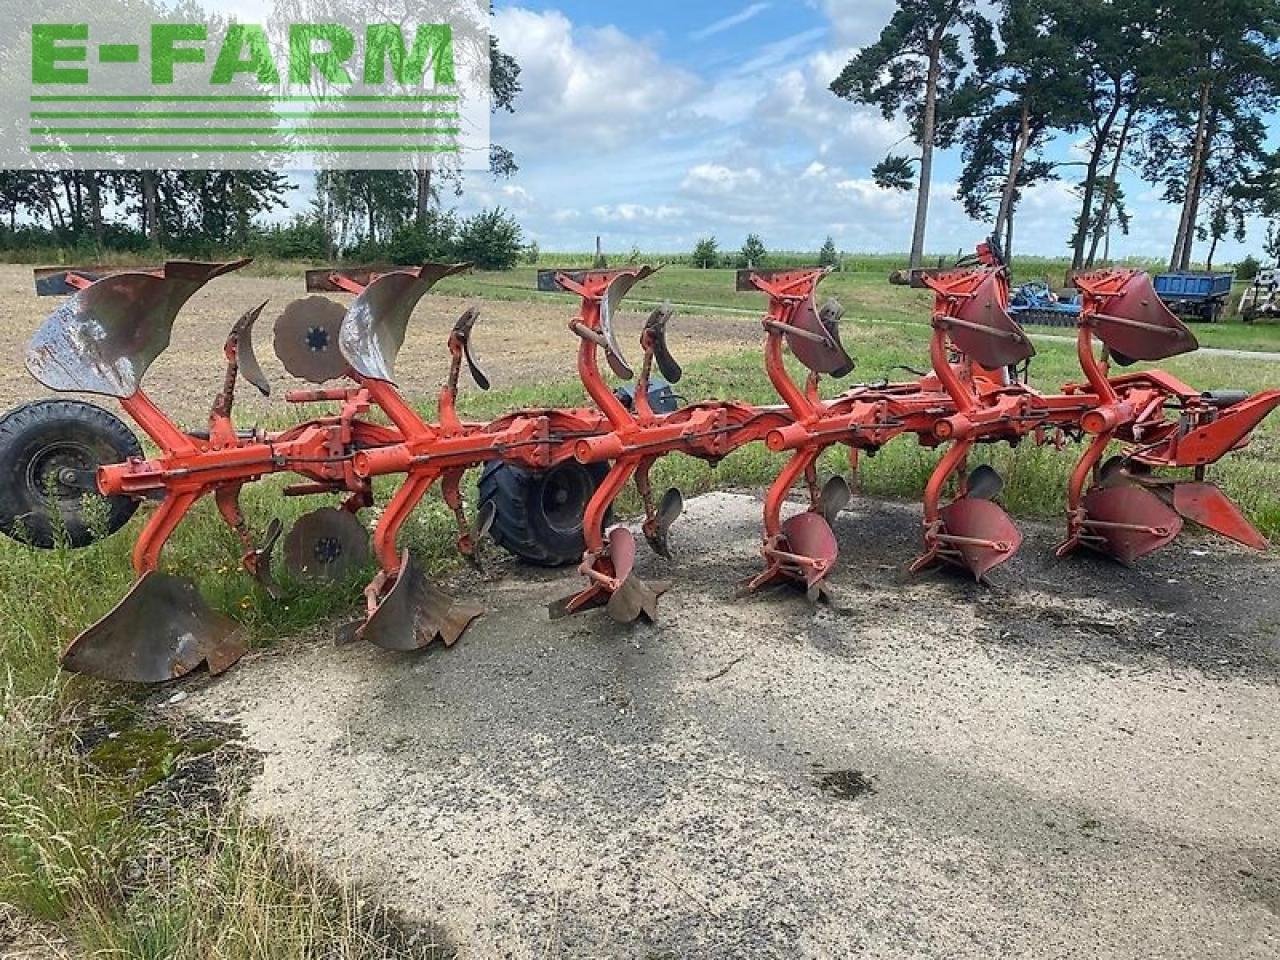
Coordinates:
(1035, 302)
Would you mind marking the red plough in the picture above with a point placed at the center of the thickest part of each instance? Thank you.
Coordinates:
(552, 476)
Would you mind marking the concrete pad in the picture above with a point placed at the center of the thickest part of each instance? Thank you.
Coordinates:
(1078, 761)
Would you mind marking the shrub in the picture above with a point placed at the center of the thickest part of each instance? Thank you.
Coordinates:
(706, 253)
(1248, 268)
(491, 240)
(435, 239)
(753, 253)
(828, 256)
(302, 238)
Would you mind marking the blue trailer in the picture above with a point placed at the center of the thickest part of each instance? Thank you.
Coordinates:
(1195, 296)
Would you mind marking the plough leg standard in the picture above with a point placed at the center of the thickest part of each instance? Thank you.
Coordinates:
(1149, 440)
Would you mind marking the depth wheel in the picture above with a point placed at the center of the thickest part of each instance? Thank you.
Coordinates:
(538, 514)
(50, 451)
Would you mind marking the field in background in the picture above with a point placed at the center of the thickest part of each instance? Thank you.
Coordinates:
(865, 292)
(883, 263)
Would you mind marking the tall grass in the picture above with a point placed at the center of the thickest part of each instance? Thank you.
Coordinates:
(88, 847)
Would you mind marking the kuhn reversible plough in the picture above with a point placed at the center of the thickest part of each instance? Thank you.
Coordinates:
(551, 476)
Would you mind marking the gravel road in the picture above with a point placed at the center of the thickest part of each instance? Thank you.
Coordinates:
(1079, 761)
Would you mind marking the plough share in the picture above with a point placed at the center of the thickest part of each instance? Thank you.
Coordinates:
(555, 474)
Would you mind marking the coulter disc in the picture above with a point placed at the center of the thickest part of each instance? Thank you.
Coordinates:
(306, 339)
(326, 544)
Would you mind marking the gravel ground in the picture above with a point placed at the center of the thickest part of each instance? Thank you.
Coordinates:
(1079, 761)
(519, 343)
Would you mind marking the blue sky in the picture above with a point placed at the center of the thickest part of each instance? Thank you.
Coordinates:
(655, 124)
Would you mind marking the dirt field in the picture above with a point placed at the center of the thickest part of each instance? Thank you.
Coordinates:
(1077, 762)
(520, 343)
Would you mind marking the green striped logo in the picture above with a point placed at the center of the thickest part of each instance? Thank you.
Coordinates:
(185, 94)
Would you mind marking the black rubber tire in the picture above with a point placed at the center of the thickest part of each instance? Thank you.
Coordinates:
(524, 525)
(42, 436)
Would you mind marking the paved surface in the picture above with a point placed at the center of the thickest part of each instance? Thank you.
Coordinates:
(1077, 762)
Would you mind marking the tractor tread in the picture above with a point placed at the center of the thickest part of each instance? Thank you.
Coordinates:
(516, 495)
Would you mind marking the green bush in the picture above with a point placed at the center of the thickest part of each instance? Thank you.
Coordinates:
(706, 254)
(491, 239)
(433, 240)
(302, 238)
(1248, 268)
(753, 253)
(828, 256)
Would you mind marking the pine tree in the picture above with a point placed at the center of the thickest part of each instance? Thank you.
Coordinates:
(917, 68)
(706, 254)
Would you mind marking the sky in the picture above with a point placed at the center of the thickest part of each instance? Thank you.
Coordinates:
(655, 124)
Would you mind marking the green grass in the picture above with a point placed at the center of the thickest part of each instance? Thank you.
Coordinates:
(82, 826)
(865, 292)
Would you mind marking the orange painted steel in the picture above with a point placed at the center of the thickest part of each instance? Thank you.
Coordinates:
(1126, 496)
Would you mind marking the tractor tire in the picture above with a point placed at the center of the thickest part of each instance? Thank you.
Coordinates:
(538, 514)
(40, 440)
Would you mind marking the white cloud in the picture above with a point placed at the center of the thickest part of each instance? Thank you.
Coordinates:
(728, 23)
(779, 52)
(714, 178)
(584, 88)
(615, 140)
(516, 195)
(638, 212)
(858, 22)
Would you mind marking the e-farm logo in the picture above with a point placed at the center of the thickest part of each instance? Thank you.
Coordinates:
(246, 50)
(185, 94)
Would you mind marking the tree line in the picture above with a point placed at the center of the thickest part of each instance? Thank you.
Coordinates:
(1178, 92)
